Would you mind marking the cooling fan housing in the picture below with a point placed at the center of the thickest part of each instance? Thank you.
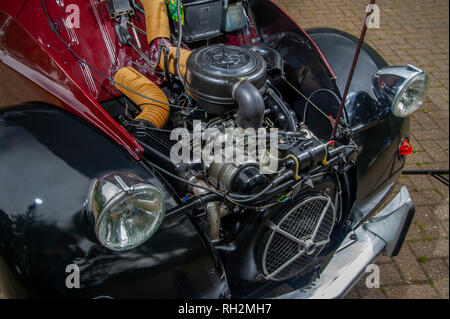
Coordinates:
(294, 239)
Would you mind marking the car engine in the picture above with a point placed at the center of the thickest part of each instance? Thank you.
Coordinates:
(230, 129)
(280, 196)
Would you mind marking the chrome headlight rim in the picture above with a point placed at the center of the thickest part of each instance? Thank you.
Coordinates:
(408, 75)
(99, 213)
(121, 198)
(404, 87)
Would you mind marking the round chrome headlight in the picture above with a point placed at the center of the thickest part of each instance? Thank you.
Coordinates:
(127, 210)
(404, 88)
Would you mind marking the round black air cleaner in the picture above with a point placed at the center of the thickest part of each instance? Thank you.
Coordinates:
(210, 68)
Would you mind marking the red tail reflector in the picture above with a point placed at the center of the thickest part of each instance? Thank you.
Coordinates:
(405, 147)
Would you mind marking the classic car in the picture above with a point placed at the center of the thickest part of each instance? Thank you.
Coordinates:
(99, 101)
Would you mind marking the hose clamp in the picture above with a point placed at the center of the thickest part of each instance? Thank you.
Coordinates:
(236, 85)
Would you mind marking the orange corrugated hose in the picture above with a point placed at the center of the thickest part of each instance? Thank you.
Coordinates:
(156, 19)
(153, 112)
(157, 23)
(184, 55)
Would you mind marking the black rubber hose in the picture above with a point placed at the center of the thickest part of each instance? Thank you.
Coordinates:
(267, 190)
(273, 58)
(250, 112)
(291, 120)
(197, 202)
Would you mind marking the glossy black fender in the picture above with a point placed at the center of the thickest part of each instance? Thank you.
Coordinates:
(378, 132)
(339, 48)
(48, 158)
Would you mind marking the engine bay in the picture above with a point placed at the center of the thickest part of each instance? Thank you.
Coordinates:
(242, 133)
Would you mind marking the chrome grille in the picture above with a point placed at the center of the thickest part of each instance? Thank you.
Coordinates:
(298, 238)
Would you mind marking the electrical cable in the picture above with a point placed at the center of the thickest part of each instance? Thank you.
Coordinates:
(308, 100)
(150, 128)
(219, 193)
(131, 24)
(253, 197)
(138, 8)
(185, 181)
(318, 91)
(180, 38)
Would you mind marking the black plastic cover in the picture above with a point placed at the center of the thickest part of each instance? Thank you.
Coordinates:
(203, 19)
(117, 8)
(209, 70)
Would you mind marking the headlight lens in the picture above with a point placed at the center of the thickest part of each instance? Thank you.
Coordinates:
(411, 97)
(126, 209)
(404, 88)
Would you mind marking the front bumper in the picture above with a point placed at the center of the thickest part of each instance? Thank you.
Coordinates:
(382, 234)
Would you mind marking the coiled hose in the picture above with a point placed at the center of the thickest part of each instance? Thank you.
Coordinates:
(157, 24)
(156, 19)
(154, 113)
(172, 63)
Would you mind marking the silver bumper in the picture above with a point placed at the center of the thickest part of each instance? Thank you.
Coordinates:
(382, 234)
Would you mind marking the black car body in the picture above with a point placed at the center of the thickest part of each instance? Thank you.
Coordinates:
(63, 126)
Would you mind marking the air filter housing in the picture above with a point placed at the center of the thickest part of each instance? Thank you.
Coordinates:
(210, 69)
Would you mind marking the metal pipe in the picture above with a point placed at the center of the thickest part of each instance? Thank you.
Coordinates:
(196, 202)
(426, 172)
(251, 104)
(289, 117)
(437, 174)
(352, 71)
